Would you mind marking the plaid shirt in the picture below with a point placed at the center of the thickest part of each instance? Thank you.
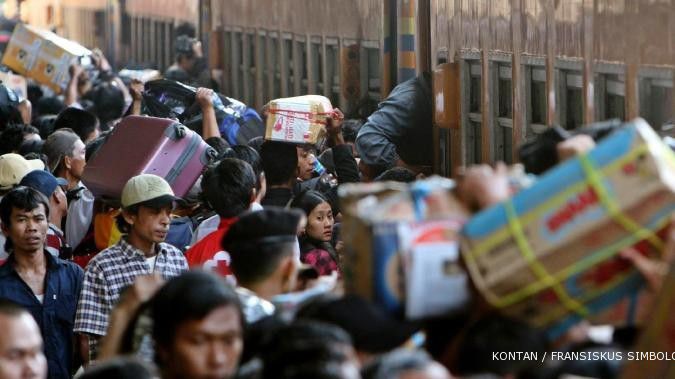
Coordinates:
(109, 273)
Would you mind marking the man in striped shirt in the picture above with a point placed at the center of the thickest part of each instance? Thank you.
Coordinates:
(147, 201)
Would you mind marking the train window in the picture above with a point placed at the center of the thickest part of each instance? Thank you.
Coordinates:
(503, 135)
(274, 66)
(656, 97)
(472, 88)
(287, 62)
(333, 71)
(239, 54)
(571, 98)
(373, 72)
(610, 90)
(316, 57)
(301, 63)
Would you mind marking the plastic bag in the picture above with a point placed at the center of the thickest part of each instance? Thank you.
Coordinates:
(170, 99)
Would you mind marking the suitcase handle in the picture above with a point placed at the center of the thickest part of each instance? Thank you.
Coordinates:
(176, 131)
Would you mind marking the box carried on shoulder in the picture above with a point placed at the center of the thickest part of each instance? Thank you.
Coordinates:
(549, 254)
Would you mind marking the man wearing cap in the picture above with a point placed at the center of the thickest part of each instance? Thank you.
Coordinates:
(46, 286)
(51, 187)
(147, 201)
(13, 167)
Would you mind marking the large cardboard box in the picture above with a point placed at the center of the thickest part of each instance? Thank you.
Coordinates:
(43, 56)
(402, 246)
(299, 119)
(549, 255)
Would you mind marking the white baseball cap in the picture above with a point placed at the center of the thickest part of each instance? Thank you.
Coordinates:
(145, 188)
(13, 167)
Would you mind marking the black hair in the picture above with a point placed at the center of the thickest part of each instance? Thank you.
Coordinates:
(10, 308)
(497, 333)
(122, 225)
(248, 155)
(308, 200)
(45, 124)
(13, 136)
(187, 29)
(94, 146)
(306, 349)
(50, 105)
(24, 198)
(227, 187)
(219, 144)
(9, 111)
(350, 129)
(279, 161)
(190, 296)
(31, 146)
(256, 142)
(259, 240)
(83, 123)
(397, 174)
(119, 367)
(108, 103)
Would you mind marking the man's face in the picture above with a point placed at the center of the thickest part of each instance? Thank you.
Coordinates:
(77, 161)
(151, 224)
(305, 168)
(28, 229)
(21, 355)
(208, 348)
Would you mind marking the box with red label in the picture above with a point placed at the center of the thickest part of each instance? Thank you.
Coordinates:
(549, 254)
(299, 119)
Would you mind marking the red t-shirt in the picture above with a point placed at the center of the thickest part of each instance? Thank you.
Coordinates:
(208, 252)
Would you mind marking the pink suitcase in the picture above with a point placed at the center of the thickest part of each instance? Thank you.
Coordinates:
(147, 145)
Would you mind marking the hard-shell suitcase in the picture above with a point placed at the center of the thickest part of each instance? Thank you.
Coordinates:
(147, 145)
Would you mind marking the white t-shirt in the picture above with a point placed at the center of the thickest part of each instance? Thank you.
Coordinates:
(40, 298)
(151, 263)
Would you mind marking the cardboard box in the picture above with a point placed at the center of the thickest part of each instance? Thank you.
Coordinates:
(400, 242)
(43, 56)
(554, 261)
(299, 119)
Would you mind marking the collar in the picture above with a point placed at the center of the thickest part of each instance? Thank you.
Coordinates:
(53, 263)
(130, 251)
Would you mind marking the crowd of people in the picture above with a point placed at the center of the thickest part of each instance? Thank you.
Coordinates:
(242, 277)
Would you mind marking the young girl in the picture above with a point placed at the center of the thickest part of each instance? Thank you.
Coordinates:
(315, 239)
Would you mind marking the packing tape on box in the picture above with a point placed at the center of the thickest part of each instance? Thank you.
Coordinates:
(547, 280)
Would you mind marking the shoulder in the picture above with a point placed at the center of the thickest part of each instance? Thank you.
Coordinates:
(104, 258)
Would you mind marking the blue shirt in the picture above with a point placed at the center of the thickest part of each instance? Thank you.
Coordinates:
(55, 316)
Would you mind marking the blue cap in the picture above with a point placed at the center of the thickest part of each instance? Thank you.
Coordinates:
(42, 181)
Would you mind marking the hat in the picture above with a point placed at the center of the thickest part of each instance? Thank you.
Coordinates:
(42, 181)
(371, 329)
(13, 167)
(146, 188)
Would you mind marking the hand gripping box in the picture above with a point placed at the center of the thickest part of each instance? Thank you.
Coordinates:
(549, 254)
(299, 119)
